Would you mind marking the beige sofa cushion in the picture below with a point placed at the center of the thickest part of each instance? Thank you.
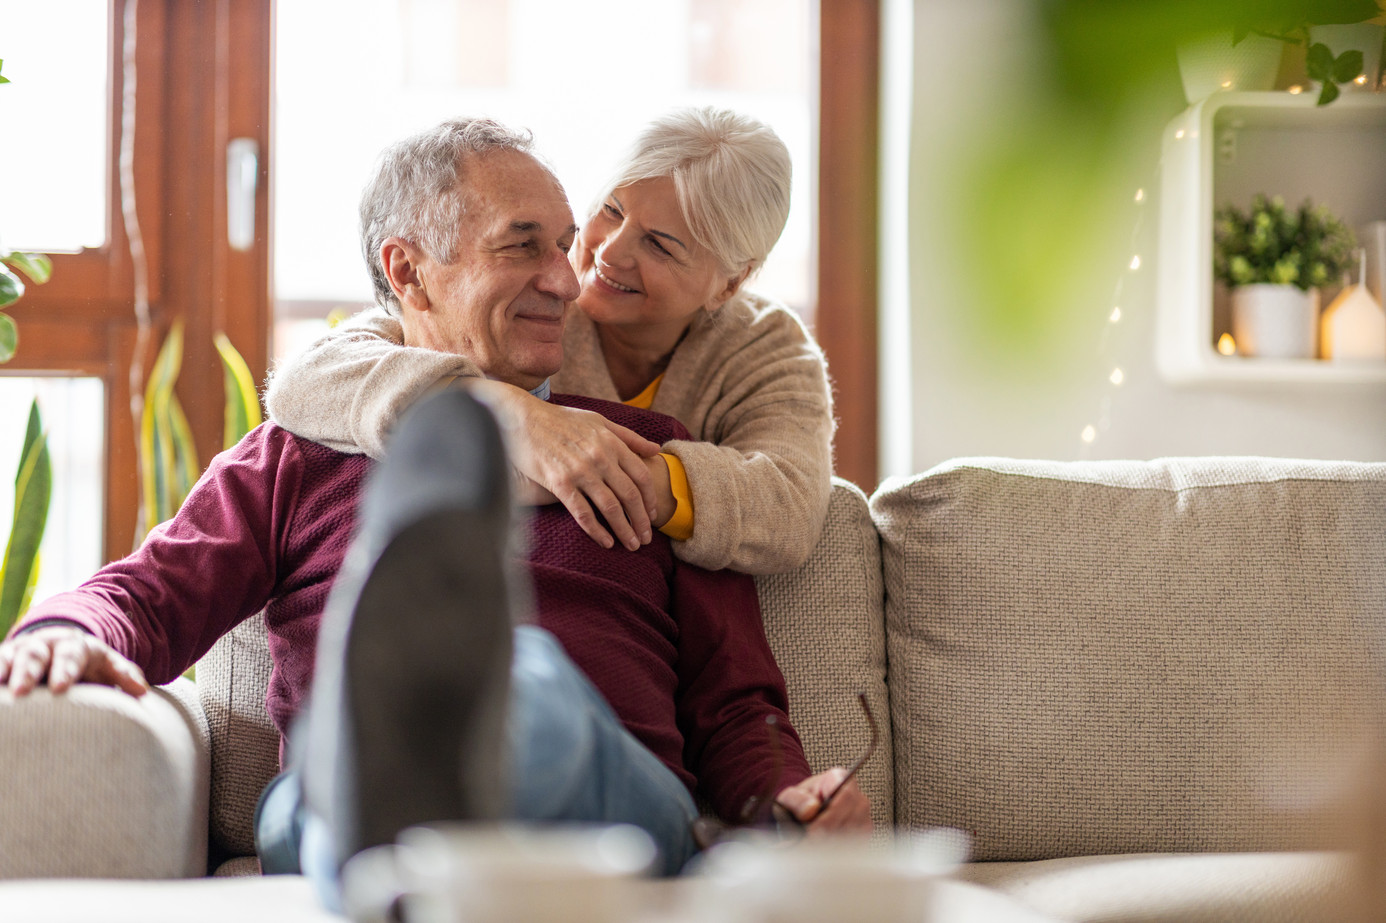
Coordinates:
(825, 625)
(1113, 657)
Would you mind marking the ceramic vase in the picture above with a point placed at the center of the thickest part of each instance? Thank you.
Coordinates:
(1275, 321)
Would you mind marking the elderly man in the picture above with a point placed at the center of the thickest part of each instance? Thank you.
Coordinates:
(426, 704)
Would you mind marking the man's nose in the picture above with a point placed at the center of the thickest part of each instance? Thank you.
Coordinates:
(558, 278)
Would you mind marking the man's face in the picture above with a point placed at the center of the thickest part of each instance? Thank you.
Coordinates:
(501, 302)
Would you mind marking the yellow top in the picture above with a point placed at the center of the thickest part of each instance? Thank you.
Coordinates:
(680, 525)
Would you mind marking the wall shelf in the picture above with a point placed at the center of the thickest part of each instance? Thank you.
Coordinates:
(1224, 149)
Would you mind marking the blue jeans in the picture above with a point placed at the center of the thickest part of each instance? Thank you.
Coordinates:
(570, 760)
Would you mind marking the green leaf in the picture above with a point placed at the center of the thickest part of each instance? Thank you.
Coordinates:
(11, 287)
(32, 492)
(157, 455)
(1328, 93)
(242, 410)
(9, 338)
(38, 267)
(1318, 61)
(1348, 66)
(3, 79)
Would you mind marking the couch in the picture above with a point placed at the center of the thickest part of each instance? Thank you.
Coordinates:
(1145, 690)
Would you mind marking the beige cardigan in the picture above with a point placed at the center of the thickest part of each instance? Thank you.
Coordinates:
(748, 382)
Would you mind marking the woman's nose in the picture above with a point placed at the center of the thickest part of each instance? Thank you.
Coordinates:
(616, 248)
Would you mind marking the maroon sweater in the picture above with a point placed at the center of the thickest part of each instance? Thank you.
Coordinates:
(678, 652)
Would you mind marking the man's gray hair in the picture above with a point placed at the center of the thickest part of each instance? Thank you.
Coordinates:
(731, 174)
(417, 193)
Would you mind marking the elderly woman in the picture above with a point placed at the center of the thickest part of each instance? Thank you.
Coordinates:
(664, 321)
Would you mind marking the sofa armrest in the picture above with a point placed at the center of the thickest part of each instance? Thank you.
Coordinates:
(95, 783)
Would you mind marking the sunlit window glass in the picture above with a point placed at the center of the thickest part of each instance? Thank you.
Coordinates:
(585, 77)
(72, 413)
(54, 157)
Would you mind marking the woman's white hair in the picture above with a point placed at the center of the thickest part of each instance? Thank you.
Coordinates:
(731, 174)
(417, 191)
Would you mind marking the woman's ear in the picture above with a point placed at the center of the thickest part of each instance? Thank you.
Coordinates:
(733, 286)
(402, 262)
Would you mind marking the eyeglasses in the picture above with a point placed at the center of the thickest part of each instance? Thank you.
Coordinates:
(763, 811)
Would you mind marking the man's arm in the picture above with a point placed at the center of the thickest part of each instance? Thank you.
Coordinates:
(192, 580)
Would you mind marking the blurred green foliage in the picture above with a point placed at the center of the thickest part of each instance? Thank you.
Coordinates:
(1042, 197)
(1268, 243)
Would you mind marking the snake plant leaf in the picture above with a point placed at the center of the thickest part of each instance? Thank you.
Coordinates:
(38, 267)
(10, 287)
(242, 411)
(3, 78)
(33, 489)
(168, 458)
(9, 338)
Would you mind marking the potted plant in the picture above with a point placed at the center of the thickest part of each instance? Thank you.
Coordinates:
(1274, 259)
(1245, 55)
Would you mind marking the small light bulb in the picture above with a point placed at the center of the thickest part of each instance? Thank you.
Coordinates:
(1179, 134)
(1226, 345)
(1136, 262)
(1296, 90)
(1117, 376)
(1140, 195)
(1227, 84)
(1089, 433)
(1360, 80)
(1114, 316)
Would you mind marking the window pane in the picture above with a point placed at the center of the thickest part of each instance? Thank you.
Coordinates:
(585, 77)
(74, 417)
(56, 57)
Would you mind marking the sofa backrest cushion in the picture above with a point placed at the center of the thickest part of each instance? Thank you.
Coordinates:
(1111, 657)
(232, 681)
(825, 624)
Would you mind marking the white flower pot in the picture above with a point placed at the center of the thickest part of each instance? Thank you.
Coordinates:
(1213, 63)
(1275, 321)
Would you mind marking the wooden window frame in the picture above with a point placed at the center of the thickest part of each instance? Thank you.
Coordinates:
(82, 323)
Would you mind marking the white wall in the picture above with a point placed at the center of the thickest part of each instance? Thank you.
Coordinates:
(947, 394)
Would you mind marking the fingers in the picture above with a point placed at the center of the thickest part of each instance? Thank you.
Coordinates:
(633, 440)
(65, 657)
(28, 663)
(848, 809)
(576, 504)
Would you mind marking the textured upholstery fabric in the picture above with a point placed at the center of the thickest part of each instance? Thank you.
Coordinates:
(824, 622)
(1226, 888)
(1114, 657)
(120, 790)
(232, 680)
(270, 899)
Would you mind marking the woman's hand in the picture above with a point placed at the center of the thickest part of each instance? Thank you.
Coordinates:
(580, 459)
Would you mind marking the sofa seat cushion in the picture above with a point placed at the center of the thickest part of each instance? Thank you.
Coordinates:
(1095, 658)
(1184, 888)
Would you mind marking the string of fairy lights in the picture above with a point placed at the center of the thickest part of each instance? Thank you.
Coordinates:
(1114, 375)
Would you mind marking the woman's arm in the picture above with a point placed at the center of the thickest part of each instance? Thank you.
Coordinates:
(348, 389)
(761, 479)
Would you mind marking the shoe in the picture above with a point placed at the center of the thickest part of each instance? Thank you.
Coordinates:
(406, 718)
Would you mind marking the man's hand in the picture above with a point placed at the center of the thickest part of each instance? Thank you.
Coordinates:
(64, 656)
(849, 811)
(579, 458)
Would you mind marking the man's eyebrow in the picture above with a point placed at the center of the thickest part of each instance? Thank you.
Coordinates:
(662, 234)
(528, 227)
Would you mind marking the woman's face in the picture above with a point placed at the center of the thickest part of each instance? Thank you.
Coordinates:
(639, 266)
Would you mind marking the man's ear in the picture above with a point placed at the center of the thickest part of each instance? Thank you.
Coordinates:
(733, 286)
(402, 262)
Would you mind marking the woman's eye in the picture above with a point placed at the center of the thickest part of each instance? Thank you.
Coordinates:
(654, 242)
(611, 210)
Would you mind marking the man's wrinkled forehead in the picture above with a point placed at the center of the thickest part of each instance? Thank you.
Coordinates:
(507, 189)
